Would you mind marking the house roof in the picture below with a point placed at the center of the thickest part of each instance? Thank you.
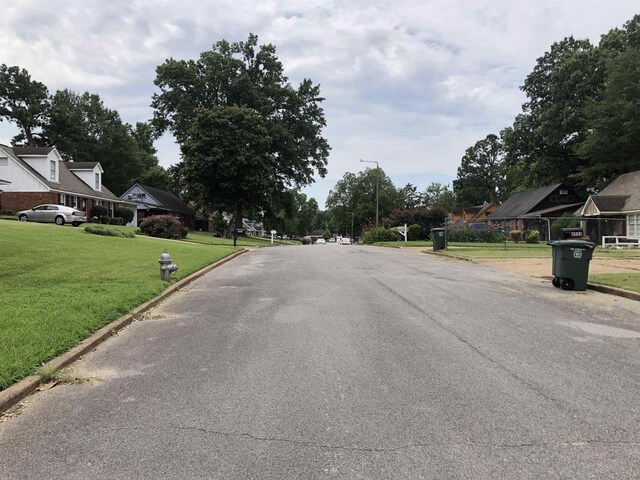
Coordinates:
(44, 151)
(610, 203)
(167, 200)
(519, 204)
(82, 165)
(556, 209)
(627, 184)
(68, 181)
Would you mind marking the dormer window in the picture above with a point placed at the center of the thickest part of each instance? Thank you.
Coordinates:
(52, 170)
(97, 176)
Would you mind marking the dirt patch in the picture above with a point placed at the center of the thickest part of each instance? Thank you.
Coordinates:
(541, 267)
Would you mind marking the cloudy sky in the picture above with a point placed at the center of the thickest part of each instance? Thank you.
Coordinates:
(408, 83)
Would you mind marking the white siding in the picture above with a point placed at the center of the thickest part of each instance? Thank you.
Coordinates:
(88, 176)
(21, 180)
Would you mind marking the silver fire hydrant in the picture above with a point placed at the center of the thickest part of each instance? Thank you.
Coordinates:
(166, 266)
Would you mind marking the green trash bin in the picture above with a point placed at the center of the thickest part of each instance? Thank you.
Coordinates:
(439, 237)
(570, 263)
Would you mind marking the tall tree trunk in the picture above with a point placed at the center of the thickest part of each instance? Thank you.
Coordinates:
(237, 220)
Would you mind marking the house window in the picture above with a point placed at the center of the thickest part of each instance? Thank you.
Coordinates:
(52, 170)
(97, 181)
(4, 161)
(633, 225)
(62, 198)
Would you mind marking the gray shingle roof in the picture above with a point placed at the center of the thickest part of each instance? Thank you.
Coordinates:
(168, 200)
(32, 150)
(610, 203)
(627, 184)
(81, 165)
(519, 204)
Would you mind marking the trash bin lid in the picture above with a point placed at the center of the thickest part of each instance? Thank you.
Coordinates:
(573, 243)
(438, 229)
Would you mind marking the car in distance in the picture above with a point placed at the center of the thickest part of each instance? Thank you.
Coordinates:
(321, 241)
(345, 241)
(50, 213)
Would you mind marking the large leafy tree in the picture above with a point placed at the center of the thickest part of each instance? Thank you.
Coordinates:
(24, 102)
(84, 130)
(480, 173)
(227, 159)
(356, 193)
(543, 141)
(612, 145)
(437, 194)
(244, 75)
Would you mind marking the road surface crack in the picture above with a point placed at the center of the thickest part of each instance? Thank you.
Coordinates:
(466, 342)
(409, 446)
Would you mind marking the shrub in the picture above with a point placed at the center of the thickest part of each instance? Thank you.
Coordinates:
(516, 235)
(381, 234)
(567, 220)
(8, 217)
(305, 240)
(99, 211)
(125, 213)
(414, 231)
(531, 236)
(7, 213)
(109, 232)
(116, 221)
(468, 235)
(104, 220)
(163, 226)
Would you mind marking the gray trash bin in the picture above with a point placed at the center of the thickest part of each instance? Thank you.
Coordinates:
(439, 237)
(570, 263)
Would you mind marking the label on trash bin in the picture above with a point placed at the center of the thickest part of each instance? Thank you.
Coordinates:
(577, 254)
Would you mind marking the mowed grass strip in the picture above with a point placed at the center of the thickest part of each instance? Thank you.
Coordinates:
(242, 241)
(626, 281)
(60, 284)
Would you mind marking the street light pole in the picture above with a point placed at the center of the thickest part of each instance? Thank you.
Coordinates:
(377, 182)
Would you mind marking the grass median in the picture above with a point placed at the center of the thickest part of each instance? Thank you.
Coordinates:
(60, 284)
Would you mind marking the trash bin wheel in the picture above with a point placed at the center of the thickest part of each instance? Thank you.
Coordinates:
(567, 284)
(556, 282)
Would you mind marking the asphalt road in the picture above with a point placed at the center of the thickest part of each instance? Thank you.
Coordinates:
(349, 362)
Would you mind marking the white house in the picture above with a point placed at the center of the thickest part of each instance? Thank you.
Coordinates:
(37, 175)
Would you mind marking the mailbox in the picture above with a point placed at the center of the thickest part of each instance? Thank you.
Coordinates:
(569, 233)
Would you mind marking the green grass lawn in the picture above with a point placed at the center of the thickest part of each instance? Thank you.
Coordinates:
(243, 241)
(60, 284)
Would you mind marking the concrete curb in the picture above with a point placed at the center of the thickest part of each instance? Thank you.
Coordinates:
(619, 292)
(614, 291)
(16, 392)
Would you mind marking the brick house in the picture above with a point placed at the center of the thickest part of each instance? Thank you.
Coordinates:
(37, 175)
(477, 213)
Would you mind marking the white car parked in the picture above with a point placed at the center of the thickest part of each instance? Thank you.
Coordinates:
(345, 241)
(50, 213)
(321, 241)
